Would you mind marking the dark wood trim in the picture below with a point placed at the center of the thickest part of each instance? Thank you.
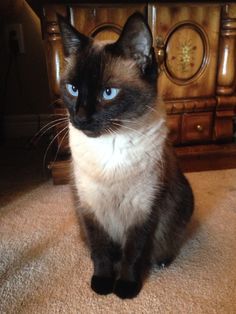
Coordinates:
(61, 171)
(207, 157)
(37, 5)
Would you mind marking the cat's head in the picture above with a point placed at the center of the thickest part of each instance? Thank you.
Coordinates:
(107, 83)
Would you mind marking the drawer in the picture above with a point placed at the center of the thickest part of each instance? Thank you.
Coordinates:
(174, 126)
(197, 127)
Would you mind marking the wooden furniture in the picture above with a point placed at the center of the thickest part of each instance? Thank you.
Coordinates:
(9, 8)
(195, 45)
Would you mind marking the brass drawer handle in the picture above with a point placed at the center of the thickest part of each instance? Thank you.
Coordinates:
(160, 52)
(199, 128)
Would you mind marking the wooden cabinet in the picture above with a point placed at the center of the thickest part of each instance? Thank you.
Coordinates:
(102, 21)
(196, 49)
(190, 35)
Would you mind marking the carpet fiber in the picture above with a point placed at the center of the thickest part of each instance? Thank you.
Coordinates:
(45, 266)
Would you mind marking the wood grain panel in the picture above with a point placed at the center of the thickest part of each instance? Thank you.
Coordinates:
(174, 125)
(190, 34)
(104, 22)
(224, 125)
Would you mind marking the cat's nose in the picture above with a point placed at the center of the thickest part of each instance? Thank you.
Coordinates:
(82, 122)
(81, 112)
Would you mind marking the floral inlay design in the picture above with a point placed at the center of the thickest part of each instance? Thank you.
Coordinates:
(185, 57)
(186, 51)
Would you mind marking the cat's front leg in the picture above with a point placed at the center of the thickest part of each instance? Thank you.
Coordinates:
(104, 253)
(135, 263)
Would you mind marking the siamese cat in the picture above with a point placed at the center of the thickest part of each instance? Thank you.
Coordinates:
(134, 201)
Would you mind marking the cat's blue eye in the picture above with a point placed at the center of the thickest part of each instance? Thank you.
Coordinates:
(110, 93)
(72, 90)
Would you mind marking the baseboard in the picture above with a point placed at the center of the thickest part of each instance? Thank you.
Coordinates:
(18, 126)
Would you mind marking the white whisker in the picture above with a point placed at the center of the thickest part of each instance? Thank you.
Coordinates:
(35, 141)
(59, 146)
(50, 144)
(151, 108)
(50, 125)
(131, 129)
(123, 120)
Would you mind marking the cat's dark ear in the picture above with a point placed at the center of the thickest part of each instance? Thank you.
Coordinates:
(73, 41)
(135, 40)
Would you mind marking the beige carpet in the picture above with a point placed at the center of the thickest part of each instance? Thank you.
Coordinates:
(45, 267)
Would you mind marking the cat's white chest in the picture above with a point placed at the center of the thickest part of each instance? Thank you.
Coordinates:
(115, 179)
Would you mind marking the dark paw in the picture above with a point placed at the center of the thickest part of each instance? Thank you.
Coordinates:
(165, 262)
(102, 285)
(127, 289)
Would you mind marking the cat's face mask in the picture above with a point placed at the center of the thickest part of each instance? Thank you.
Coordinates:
(106, 84)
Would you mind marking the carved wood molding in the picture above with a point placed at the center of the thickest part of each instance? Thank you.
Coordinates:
(226, 80)
(112, 27)
(224, 117)
(227, 61)
(53, 47)
(190, 105)
(226, 102)
(224, 125)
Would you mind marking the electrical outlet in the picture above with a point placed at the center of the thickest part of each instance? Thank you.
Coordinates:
(15, 32)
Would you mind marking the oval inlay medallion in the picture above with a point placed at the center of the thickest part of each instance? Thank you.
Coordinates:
(187, 52)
